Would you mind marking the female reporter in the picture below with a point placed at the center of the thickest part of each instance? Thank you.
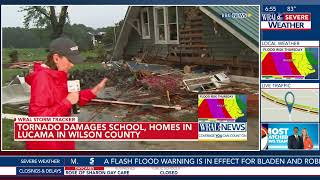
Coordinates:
(49, 91)
(307, 142)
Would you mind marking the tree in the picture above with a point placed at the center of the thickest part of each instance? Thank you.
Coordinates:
(111, 33)
(79, 33)
(46, 16)
(16, 37)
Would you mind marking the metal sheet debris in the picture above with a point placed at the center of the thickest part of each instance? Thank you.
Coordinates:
(204, 83)
(154, 68)
(16, 92)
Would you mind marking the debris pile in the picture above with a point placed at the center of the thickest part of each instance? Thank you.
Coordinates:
(153, 90)
(162, 84)
(119, 77)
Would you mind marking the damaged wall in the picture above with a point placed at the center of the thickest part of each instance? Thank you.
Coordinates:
(215, 42)
(136, 44)
(225, 46)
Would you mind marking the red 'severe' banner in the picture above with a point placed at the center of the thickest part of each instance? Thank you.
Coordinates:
(104, 131)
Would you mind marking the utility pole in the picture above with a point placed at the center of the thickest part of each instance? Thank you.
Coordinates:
(114, 35)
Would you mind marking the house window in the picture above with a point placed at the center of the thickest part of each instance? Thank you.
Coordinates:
(144, 16)
(159, 25)
(166, 25)
(172, 23)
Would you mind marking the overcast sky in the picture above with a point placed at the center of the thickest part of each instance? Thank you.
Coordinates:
(92, 16)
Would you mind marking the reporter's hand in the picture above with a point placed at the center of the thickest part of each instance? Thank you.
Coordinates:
(73, 97)
(99, 86)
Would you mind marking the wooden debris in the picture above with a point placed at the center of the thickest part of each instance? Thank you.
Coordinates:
(165, 74)
(143, 73)
(168, 96)
(187, 69)
(176, 107)
(21, 65)
(244, 79)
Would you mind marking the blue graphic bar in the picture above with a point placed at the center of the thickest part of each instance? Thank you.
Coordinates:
(46, 171)
(181, 161)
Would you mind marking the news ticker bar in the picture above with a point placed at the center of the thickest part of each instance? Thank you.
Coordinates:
(159, 161)
(159, 165)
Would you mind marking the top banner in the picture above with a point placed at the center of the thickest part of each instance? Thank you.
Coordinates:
(289, 22)
(160, 2)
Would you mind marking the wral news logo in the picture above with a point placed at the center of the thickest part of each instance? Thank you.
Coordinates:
(236, 15)
(222, 127)
(286, 21)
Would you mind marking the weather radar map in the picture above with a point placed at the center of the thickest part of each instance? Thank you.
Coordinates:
(289, 62)
(222, 107)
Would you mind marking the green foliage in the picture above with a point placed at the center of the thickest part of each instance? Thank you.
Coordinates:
(90, 55)
(16, 37)
(86, 66)
(21, 38)
(111, 33)
(80, 34)
(34, 16)
(46, 16)
(108, 37)
(40, 38)
(100, 50)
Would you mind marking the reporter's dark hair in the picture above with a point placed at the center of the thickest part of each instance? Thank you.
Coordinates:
(50, 63)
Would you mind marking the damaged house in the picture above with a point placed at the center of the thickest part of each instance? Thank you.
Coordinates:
(221, 36)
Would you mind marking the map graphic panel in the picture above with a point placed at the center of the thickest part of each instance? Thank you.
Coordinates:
(274, 107)
(222, 107)
(302, 64)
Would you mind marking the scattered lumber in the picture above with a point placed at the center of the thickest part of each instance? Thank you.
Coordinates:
(176, 107)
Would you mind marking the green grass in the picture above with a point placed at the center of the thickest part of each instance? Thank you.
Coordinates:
(8, 142)
(8, 137)
(85, 66)
(89, 54)
(35, 54)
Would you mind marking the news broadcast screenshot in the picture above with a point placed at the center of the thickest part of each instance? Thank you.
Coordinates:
(159, 89)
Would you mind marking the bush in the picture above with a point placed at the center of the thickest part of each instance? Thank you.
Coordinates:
(13, 56)
(100, 50)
